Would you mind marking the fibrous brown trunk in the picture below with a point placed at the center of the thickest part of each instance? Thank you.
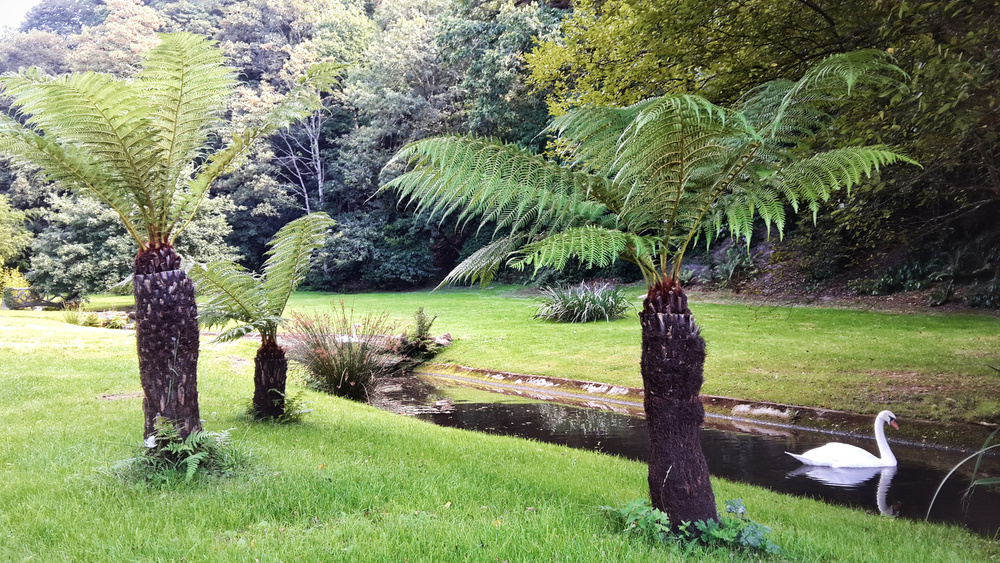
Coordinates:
(269, 376)
(166, 331)
(673, 358)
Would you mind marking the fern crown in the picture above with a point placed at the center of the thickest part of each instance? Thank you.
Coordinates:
(143, 146)
(642, 183)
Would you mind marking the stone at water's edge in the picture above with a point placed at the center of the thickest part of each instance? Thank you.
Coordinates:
(673, 357)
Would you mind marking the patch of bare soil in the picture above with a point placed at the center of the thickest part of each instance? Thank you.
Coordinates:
(121, 396)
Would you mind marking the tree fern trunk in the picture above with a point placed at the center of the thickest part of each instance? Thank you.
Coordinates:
(269, 376)
(673, 358)
(166, 329)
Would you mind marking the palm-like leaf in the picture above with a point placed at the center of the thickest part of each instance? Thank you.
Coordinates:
(142, 145)
(288, 259)
(641, 183)
(234, 295)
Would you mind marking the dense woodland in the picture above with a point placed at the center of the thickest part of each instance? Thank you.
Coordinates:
(503, 69)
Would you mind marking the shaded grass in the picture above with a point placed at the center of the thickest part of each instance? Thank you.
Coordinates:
(940, 367)
(349, 484)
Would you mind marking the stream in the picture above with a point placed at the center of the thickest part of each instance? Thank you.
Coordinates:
(738, 450)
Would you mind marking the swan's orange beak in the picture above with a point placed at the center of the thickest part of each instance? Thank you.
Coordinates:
(893, 424)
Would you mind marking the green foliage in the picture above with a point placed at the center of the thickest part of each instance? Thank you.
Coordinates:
(989, 445)
(583, 303)
(294, 410)
(984, 295)
(641, 183)
(735, 267)
(141, 146)
(14, 237)
(732, 533)
(343, 354)
(419, 344)
(11, 277)
(165, 458)
(254, 303)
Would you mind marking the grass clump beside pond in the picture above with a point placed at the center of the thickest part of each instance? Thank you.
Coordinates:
(350, 483)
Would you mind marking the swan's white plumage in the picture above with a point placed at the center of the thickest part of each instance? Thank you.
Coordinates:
(836, 454)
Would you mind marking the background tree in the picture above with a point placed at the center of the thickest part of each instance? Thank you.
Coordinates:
(641, 184)
(14, 237)
(141, 146)
(257, 304)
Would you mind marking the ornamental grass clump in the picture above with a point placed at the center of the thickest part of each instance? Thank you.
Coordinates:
(343, 354)
(583, 303)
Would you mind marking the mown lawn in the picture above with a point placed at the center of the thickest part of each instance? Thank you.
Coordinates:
(351, 483)
(938, 367)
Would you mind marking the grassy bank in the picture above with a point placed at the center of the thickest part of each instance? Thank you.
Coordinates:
(350, 483)
(937, 367)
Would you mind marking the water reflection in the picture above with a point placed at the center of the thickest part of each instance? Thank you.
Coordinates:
(853, 477)
(733, 453)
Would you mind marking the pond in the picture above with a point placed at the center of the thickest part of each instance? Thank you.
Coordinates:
(742, 451)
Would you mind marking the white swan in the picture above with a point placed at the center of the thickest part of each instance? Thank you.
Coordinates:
(836, 454)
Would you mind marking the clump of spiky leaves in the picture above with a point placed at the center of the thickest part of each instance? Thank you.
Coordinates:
(343, 353)
(583, 303)
(985, 481)
(418, 343)
(642, 183)
(165, 457)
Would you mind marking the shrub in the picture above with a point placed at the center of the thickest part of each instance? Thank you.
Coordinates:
(733, 533)
(583, 303)
(343, 354)
(984, 295)
(165, 458)
(11, 277)
(419, 345)
(73, 313)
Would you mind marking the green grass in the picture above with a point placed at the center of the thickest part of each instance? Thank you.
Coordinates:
(934, 367)
(349, 484)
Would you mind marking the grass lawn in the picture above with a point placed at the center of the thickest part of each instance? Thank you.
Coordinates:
(938, 367)
(351, 483)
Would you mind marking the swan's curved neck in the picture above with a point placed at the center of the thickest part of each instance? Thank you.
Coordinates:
(883, 445)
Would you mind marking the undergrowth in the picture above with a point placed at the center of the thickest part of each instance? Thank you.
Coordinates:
(733, 533)
(165, 458)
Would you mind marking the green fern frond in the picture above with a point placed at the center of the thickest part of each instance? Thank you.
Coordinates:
(594, 246)
(288, 258)
(474, 178)
(233, 294)
(482, 265)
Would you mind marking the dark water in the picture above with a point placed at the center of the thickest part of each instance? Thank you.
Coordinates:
(736, 451)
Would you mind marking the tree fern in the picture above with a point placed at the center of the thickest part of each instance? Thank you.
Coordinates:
(642, 183)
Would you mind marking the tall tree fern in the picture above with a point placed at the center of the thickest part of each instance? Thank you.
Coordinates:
(641, 184)
(147, 148)
(256, 304)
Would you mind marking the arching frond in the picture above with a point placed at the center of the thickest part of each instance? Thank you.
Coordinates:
(184, 80)
(813, 179)
(594, 246)
(288, 258)
(475, 178)
(233, 294)
(482, 265)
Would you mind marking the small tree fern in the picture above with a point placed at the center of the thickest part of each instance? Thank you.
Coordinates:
(256, 304)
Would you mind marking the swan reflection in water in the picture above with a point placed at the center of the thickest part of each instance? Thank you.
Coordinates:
(852, 477)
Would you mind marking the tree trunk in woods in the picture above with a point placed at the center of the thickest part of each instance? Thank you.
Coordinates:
(673, 357)
(269, 376)
(166, 333)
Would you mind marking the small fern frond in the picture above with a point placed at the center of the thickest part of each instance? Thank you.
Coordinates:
(288, 258)
(232, 293)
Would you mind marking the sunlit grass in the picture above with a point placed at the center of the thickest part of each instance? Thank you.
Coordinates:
(349, 484)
